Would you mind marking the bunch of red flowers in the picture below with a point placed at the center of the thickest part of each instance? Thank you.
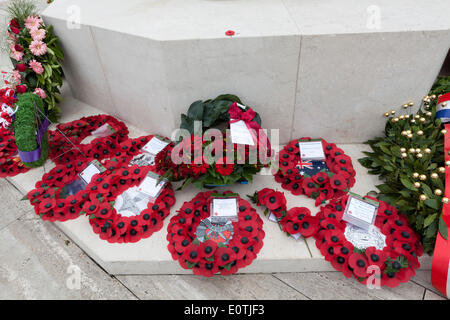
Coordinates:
(63, 151)
(208, 258)
(323, 185)
(109, 224)
(10, 163)
(397, 261)
(293, 221)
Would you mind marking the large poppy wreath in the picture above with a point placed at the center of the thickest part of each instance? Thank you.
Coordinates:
(209, 257)
(293, 221)
(396, 256)
(62, 151)
(109, 224)
(51, 200)
(323, 185)
(10, 163)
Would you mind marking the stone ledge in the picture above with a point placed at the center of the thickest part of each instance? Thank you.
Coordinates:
(150, 256)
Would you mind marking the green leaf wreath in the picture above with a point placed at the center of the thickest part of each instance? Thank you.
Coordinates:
(27, 119)
(409, 159)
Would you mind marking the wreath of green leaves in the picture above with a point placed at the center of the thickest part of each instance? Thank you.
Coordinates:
(25, 126)
(396, 172)
(211, 112)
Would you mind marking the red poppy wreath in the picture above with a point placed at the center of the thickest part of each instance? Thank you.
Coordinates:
(329, 179)
(237, 247)
(395, 254)
(109, 132)
(295, 221)
(10, 163)
(116, 227)
(51, 197)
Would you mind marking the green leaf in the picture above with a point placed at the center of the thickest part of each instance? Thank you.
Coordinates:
(432, 203)
(443, 229)
(429, 220)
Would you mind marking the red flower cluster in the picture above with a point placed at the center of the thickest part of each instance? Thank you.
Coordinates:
(209, 258)
(293, 221)
(322, 186)
(10, 163)
(397, 261)
(63, 151)
(109, 224)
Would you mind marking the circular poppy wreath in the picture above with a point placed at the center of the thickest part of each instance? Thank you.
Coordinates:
(109, 224)
(10, 163)
(62, 151)
(397, 261)
(293, 221)
(49, 198)
(323, 185)
(208, 258)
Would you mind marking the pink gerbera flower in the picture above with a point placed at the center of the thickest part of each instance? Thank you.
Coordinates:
(17, 55)
(38, 48)
(38, 34)
(41, 93)
(36, 66)
(33, 22)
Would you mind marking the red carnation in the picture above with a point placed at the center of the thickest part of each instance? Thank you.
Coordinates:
(224, 167)
(21, 88)
(18, 47)
(15, 30)
(14, 23)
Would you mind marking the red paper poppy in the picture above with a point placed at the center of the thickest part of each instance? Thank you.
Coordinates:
(359, 264)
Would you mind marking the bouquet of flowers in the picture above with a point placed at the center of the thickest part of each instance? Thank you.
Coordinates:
(212, 159)
(35, 54)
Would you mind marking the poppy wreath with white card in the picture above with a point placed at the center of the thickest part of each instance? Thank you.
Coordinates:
(224, 245)
(387, 251)
(59, 195)
(322, 180)
(296, 221)
(120, 212)
(109, 133)
(229, 165)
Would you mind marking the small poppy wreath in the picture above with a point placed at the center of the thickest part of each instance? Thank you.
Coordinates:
(49, 199)
(397, 261)
(293, 221)
(62, 151)
(109, 224)
(10, 163)
(208, 258)
(323, 185)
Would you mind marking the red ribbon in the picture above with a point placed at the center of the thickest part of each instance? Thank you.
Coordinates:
(441, 257)
(237, 114)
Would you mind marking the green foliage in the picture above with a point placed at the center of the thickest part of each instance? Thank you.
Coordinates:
(210, 112)
(396, 171)
(21, 9)
(25, 126)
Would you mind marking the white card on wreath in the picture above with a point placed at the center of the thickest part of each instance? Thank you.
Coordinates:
(225, 208)
(241, 106)
(131, 202)
(240, 134)
(311, 150)
(155, 146)
(92, 169)
(104, 131)
(359, 212)
(151, 187)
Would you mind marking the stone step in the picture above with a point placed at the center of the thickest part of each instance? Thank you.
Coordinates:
(324, 68)
(150, 256)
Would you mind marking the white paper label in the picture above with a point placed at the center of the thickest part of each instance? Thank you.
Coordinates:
(154, 146)
(240, 134)
(359, 212)
(131, 202)
(363, 239)
(91, 170)
(150, 187)
(226, 208)
(104, 131)
(311, 150)
(272, 217)
(143, 159)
